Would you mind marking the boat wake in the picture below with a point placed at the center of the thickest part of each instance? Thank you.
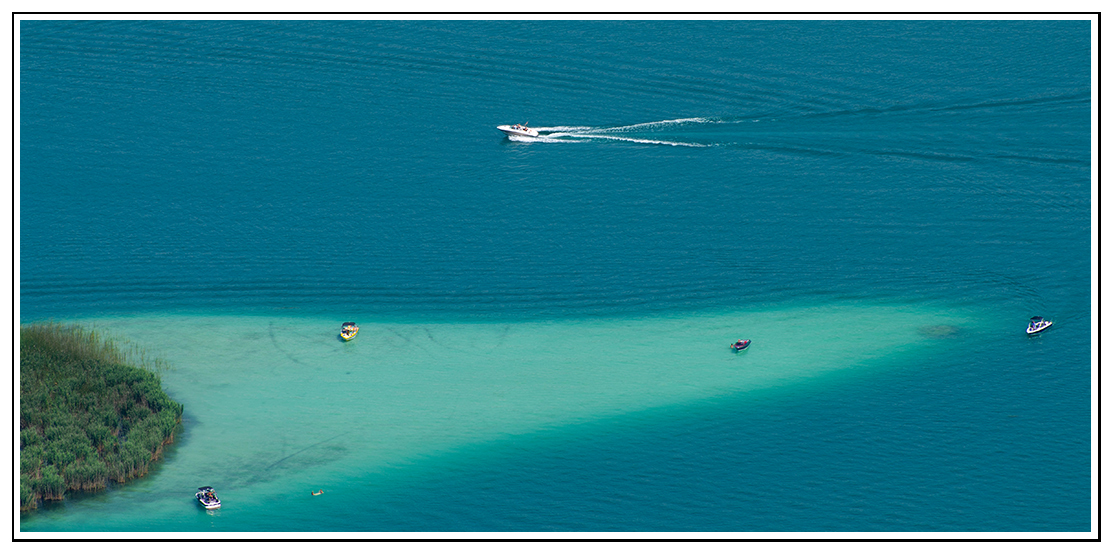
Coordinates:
(645, 133)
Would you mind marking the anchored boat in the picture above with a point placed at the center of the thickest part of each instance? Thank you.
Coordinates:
(740, 345)
(207, 497)
(1037, 325)
(348, 330)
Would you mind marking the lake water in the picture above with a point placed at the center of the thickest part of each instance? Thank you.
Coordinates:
(880, 206)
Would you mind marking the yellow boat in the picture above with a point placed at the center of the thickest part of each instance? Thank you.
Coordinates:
(348, 330)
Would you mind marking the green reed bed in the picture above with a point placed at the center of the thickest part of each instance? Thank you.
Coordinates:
(91, 409)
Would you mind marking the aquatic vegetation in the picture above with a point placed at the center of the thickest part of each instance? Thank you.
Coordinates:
(939, 331)
(90, 410)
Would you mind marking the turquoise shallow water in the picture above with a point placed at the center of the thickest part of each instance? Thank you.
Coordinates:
(879, 206)
(280, 406)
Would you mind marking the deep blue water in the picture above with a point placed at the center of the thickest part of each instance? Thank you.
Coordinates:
(313, 167)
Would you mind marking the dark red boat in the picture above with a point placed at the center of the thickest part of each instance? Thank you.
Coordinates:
(740, 345)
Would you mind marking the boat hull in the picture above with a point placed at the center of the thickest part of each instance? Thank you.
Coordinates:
(512, 132)
(1038, 330)
(214, 504)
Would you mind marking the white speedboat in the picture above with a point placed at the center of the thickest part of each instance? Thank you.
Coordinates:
(207, 497)
(1037, 325)
(517, 130)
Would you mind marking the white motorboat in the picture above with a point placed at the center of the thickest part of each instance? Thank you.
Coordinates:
(1037, 325)
(207, 497)
(517, 130)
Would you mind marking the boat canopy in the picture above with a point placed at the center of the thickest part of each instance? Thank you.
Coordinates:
(349, 324)
(205, 488)
(1036, 318)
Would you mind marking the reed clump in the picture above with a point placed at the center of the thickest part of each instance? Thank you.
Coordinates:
(91, 409)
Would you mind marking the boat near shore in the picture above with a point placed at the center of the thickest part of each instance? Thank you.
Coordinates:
(740, 345)
(348, 330)
(207, 497)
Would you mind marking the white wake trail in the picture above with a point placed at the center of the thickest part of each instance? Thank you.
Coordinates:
(652, 124)
(540, 139)
(633, 140)
(583, 133)
(563, 128)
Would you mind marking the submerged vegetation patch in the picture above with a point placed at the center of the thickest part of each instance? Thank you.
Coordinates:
(90, 410)
(939, 331)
